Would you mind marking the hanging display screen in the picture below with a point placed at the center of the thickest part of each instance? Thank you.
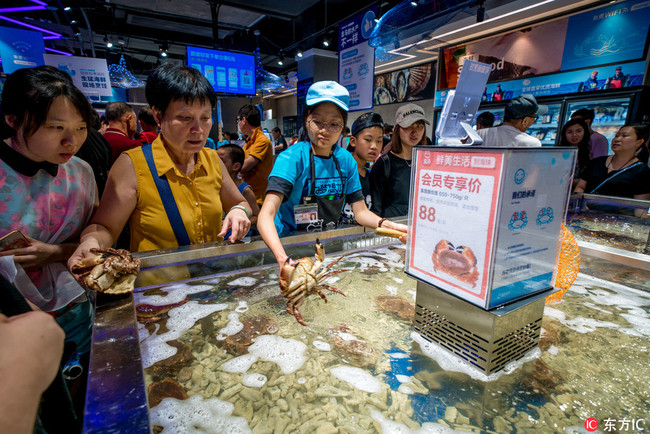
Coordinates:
(227, 72)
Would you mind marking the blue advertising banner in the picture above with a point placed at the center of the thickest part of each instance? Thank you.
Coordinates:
(561, 83)
(90, 75)
(357, 59)
(20, 49)
(614, 33)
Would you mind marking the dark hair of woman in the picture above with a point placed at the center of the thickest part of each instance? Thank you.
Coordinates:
(310, 109)
(642, 132)
(583, 145)
(169, 82)
(396, 143)
(29, 93)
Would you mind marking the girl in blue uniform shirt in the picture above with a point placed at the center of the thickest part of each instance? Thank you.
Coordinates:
(312, 180)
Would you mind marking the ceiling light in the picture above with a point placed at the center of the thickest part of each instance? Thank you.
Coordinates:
(326, 43)
(280, 61)
(73, 22)
(299, 53)
(414, 3)
(108, 42)
(67, 8)
(163, 53)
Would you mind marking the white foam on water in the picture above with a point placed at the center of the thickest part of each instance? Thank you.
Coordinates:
(641, 324)
(450, 362)
(233, 327)
(332, 279)
(214, 281)
(143, 333)
(553, 350)
(403, 388)
(243, 281)
(398, 280)
(197, 415)
(392, 427)
(594, 307)
(181, 319)
(239, 364)
(243, 307)
(357, 378)
(403, 378)
(254, 380)
(391, 289)
(323, 346)
(289, 354)
(554, 313)
(175, 294)
(585, 325)
(399, 355)
(366, 263)
(413, 293)
(347, 336)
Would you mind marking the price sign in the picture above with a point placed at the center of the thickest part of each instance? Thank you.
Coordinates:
(454, 198)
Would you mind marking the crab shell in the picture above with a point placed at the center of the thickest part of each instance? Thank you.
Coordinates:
(459, 262)
(112, 271)
(293, 276)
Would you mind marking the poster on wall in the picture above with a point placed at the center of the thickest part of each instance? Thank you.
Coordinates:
(607, 35)
(614, 33)
(90, 75)
(20, 49)
(357, 59)
(408, 84)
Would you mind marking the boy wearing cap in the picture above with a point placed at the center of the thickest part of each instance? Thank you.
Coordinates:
(366, 141)
(311, 181)
(390, 178)
(519, 115)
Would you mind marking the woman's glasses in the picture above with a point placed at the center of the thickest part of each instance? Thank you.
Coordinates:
(330, 128)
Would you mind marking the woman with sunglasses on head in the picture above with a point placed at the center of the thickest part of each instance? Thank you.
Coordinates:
(390, 178)
(312, 180)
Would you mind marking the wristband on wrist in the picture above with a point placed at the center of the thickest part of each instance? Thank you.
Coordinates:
(381, 222)
(243, 208)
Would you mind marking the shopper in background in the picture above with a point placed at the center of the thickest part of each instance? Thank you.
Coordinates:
(233, 157)
(484, 120)
(624, 174)
(519, 115)
(174, 175)
(258, 149)
(103, 124)
(316, 176)
(367, 140)
(148, 125)
(122, 126)
(390, 178)
(388, 134)
(49, 195)
(575, 133)
(344, 141)
(294, 140)
(226, 137)
(96, 151)
(598, 144)
(279, 143)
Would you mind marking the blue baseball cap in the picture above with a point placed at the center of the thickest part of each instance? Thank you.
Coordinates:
(331, 91)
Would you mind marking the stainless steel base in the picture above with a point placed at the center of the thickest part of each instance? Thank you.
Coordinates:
(487, 339)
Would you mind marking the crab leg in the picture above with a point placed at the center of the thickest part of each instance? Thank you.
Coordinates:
(331, 288)
(324, 274)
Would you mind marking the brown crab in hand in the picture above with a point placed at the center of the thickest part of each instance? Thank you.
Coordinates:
(457, 261)
(112, 271)
(301, 280)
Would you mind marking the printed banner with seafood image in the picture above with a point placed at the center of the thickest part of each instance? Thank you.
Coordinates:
(409, 84)
(451, 188)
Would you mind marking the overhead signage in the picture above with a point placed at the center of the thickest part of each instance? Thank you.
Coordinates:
(90, 75)
(408, 84)
(607, 35)
(357, 59)
(486, 223)
(20, 49)
(584, 80)
(227, 72)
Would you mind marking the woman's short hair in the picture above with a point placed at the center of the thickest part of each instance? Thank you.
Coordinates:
(29, 93)
(396, 142)
(169, 82)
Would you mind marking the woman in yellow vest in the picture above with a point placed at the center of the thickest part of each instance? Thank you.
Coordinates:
(172, 191)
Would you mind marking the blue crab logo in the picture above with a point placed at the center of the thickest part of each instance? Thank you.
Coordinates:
(544, 216)
(347, 73)
(363, 69)
(520, 175)
(519, 220)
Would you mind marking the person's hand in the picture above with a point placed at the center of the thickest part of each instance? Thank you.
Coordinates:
(36, 254)
(32, 346)
(82, 252)
(237, 221)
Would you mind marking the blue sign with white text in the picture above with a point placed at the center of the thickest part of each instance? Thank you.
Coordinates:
(20, 49)
(227, 72)
(615, 33)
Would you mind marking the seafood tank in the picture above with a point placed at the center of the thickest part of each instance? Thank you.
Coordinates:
(214, 350)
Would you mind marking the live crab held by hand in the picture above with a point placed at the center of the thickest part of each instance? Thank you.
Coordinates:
(112, 271)
(301, 280)
(457, 261)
